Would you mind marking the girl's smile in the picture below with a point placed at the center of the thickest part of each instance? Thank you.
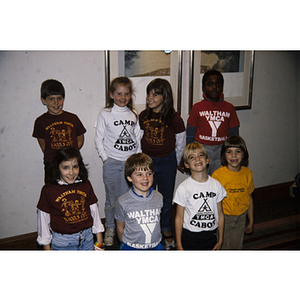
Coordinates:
(69, 170)
(121, 96)
(234, 158)
(155, 101)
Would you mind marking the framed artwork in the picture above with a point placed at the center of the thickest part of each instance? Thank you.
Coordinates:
(237, 69)
(142, 67)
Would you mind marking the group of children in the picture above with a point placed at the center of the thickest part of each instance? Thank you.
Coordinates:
(141, 155)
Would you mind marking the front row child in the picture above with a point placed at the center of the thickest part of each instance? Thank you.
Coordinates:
(68, 214)
(237, 180)
(137, 212)
(199, 220)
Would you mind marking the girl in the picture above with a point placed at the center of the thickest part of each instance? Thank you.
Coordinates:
(237, 180)
(163, 139)
(67, 210)
(115, 141)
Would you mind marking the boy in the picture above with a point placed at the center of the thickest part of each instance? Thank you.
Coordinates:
(56, 128)
(212, 120)
(199, 210)
(137, 212)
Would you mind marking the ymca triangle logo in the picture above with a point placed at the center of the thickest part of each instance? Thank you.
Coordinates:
(124, 137)
(204, 209)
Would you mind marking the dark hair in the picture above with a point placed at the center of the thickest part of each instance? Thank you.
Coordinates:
(211, 73)
(64, 154)
(52, 87)
(162, 87)
(138, 161)
(235, 141)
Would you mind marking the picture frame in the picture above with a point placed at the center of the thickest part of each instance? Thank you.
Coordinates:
(237, 68)
(119, 63)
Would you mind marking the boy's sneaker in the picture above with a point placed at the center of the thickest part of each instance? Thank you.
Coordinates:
(169, 245)
(109, 237)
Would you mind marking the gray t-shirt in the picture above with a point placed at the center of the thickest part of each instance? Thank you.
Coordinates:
(142, 219)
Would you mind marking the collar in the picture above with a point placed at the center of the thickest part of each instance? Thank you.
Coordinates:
(220, 100)
(150, 192)
(60, 182)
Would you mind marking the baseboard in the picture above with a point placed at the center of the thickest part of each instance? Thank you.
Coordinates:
(28, 241)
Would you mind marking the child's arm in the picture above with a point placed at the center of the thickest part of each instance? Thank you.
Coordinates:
(99, 238)
(44, 235)
(42, 144)
(97, 227)
(178, 226)
(220, 226)
(120, 229)
(249, 227)
(80, 141)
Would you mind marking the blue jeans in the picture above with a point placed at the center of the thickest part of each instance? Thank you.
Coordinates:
(165, 169)
(115, 186)
(126, 247)
(83, 240)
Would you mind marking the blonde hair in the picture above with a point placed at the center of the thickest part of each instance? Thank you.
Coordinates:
(192, 147)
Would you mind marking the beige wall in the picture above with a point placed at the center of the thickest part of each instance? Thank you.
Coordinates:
(270, 128)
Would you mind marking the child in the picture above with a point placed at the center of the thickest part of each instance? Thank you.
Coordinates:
(212, 119)
(67, 210)
(237, 180)
(137, 212)
(56, 128)
(115, 141)
(163, 140)
(199, 210)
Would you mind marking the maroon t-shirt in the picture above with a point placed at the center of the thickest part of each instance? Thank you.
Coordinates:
(58, 131)
(68, 206)
(159, 140)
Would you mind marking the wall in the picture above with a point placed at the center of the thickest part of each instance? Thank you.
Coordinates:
(21, 164)
(270, 129)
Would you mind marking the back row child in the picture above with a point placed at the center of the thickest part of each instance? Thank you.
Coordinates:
(56, 128)
(212, 120)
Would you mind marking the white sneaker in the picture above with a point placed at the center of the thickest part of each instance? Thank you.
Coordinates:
(109, 236)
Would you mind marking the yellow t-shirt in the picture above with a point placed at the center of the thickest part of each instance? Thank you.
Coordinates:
(238, 185)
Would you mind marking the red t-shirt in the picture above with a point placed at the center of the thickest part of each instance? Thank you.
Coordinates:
(159, 140)
(213, 120)
(68, 206)
(58, 131)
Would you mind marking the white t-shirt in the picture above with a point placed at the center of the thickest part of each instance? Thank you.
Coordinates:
(199, 200)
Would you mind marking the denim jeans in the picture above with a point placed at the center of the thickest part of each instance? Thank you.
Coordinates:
(115, 186)
(214, 155)
(83, 240)
(165, 169)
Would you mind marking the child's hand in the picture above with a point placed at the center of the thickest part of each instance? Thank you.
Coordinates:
(249, 228)
(181, 167)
